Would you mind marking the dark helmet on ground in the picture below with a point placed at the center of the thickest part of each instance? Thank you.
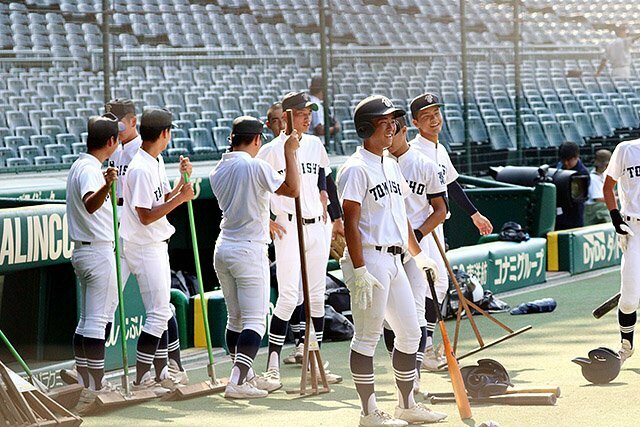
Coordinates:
(371, 108)
(601, 367)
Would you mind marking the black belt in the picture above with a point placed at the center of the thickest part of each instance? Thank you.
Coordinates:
(395, 250)
(306, 221)
(631, 218)
(120, 201)
(86, 243)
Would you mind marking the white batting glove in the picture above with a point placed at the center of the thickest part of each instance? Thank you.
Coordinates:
(362, 287)
(426, 264)
(623, 239)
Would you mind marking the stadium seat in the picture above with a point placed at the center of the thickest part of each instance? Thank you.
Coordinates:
(28, 152)
(627, 117)
(205, 123)
(75, 125)
(79, 147)
(56, 151)
(349, 146)
(26, 132)
(5, 153)
(221, 136)
(202, 141)
(44, 160)
(185, 125)
(69, 158)
(66, 139)
(600, 124)
(611, 115)
(553, 133)
(498, 137)
(17, 162)
(183, 143)
(534, 135)
(14, 142)
(456, 128)
(51, 131)
(41, 141)
(571, 133)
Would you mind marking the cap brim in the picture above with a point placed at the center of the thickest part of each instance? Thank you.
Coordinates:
(431, 105)
(303, 105)
(397, 112)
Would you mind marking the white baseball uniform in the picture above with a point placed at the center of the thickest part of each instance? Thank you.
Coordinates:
(242, 186)
(93, 259)
(312, 159)
(425, 181)
(624, 167)
(377, 184)
(447, 174)
(146, 246)
(618, 52)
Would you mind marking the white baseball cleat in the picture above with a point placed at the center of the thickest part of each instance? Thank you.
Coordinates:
(626, 351)
(380, 418)
(295, 358)
(149, 383)
(268, 381)
(88, 396)
(246, 390)
(69, 376)
(432, 360)
(419, 414)
(331, 378)
(180, 376)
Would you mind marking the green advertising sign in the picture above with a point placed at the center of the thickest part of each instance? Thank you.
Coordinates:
(587, 248)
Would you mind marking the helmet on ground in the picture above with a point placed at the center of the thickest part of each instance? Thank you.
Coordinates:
(487, 378)
(601, 367)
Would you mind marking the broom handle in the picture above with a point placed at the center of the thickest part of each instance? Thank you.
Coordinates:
(15, 354)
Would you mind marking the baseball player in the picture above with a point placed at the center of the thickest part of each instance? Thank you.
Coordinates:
(372, 190)
(623, 169)
(426, 209)
(145, 232)
(130, 142)
(425, 110)
(90, 219)
(242, 184)
(312, 159)
(618, 53)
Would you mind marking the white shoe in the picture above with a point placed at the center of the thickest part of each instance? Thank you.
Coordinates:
(268, 381)
(626, 351)
(69, 376)
(150, 384)
(416, 390)
(180, 376)
(246, 390)
(331, 378)
(88, 396)
(419, 414)
(431, 360)
(295, 358)
(379, 418)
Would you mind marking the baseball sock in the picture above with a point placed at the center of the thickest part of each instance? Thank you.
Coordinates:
(277, 333)
(389, 336)
(627, 322)
(362, 373)
(147, 345)
(161, 357)
(248, 345)
(174, 342)
(232, 343)
(295, 323)
(318, 325)
(107, 331)
(94, 350)
(81, 360)
(421, 347)
(432, 318)
(404, 369)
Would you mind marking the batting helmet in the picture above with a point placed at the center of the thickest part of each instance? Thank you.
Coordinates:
(371, 108)
(602, 366)
(487, 378)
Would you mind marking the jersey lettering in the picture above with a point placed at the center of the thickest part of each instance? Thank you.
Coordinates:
(309, 167)
(634, 171)
(416, 188)
(158, 193)
(384, 189)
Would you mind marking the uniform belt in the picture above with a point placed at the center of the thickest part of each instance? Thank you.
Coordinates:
(83, 243)
(631, 218)
(120, 201)
(395, 250)
(306, 221)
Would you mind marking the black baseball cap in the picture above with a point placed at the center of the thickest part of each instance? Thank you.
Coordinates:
(246, 125)
(423, 102)
(120, 107)
(298, 101)
(159, 118)
(101, 128)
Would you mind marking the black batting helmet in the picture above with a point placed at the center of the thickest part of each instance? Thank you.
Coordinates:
(487, 378)
(602, 366)
(371, 108)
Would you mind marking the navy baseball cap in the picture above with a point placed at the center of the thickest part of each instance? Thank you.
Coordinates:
(246, 125)
(101, 128)
(158, 118)
(298, 101)
(423, 102)
(120, 107)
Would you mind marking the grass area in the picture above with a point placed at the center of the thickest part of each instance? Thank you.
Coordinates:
(540, 357)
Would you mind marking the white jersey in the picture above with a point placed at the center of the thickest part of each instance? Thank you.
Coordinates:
(242, 186)
(85, 176)
(425, 181)
(437, 153)
(624, 167)
(377, 184)
(596, 183)
(317, 117)
(618, 52)
(121, 158)
(145, 187)
(312, 159)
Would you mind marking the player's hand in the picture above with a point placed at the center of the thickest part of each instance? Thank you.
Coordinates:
(618, 223)
(482, 223)
(186, 192)
(337, 229)
(185, 166)
(324, 199)
(293, 142)
(426, 264)
(276, 231)
(110, 175)
(362, 287)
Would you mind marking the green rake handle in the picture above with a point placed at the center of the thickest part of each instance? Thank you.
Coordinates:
(15, 354)
(203, 305)
(123, 332)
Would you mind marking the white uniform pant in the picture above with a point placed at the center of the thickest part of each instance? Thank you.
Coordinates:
(124, 273)
(630, 271)
(95, 267)
(288, 269)
(418, 281)
(243, 271)
(621, 72)
(428, 245)
(150, 264)
(393, 304)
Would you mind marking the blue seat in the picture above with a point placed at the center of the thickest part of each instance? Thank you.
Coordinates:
(66, 139)
(28, 152)
(76, 125)
(5, 153)
(14, 142)
(190, 117)
(205, 123)
(584, 125)
(611, 115)
(554, 133)
(477, 130)
(51, 131)
(183, 124)
(202, 141)
(17, 162)
(535, 135)
(44, 160)
(79, 147)
(221, 136)
(627, 117)
(16, 118)
(184, 143)
(26, 132)
(600, 124)
(56, 151)
(69, 158)
(570, 131)
(498, 137)
(41, 141)
(456, 129)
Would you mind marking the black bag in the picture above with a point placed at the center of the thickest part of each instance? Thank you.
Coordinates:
(513, 232)
(338, 297)
(336, 326)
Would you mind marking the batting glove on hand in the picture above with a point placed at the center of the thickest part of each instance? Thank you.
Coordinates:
(426, 264)
(620, 226)
(362, 287)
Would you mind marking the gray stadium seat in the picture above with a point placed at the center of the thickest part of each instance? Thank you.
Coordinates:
(69, 158)
(14, 142)
(5, 153)
(183, 143)
(554, 133)
(221, 136)
(571, 132)
(44, 160)
(17, 162)
(202, 141)
(79, 147)
(28, 152)
(56, 151)
(41, 141)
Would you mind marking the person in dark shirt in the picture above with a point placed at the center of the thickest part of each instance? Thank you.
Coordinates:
(573, 215)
